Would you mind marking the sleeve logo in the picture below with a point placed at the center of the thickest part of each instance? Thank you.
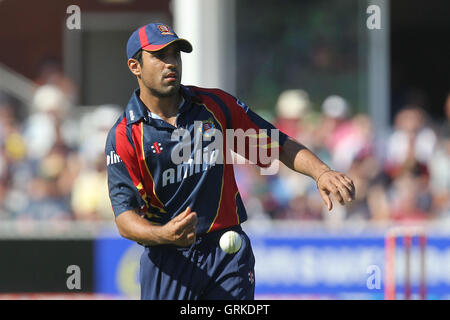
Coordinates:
(112, 158)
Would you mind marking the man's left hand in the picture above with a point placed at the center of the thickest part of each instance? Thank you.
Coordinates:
(336, 184)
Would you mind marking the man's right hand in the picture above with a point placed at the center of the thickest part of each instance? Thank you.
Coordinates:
(181, 230)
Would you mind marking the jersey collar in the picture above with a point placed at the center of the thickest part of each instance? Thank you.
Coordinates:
(136, 110)
(155, 116)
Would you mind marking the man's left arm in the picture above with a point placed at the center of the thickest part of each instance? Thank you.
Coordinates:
(329, 182)
(295, 155)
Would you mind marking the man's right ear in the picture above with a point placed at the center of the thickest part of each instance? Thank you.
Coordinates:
(134, 67)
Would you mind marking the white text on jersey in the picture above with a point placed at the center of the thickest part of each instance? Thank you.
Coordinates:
(112, 158)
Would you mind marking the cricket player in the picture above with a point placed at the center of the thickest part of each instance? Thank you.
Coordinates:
(175, 194)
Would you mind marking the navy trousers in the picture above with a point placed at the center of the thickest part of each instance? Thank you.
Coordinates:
(202, 271)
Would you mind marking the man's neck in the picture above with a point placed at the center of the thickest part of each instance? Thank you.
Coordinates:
(165, 107)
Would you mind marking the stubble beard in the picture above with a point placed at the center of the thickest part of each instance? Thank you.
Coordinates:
(165, 93)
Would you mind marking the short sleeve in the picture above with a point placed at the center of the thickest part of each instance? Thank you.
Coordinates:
(122, 177)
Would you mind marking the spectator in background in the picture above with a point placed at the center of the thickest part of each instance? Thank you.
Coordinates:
(292, 106)
(410, 149)
(410, 194)
(401, 189)
(440, 167)
(412, 139)
(335, 128)
(88, 200)
(42, 129)
(50, 73)
(354, 139)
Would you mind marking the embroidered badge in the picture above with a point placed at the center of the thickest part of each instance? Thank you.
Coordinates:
(156, 147)
(208, 127)
(165, 29)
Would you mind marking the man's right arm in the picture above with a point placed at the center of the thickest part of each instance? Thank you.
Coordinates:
(179, 231)
(126, 197)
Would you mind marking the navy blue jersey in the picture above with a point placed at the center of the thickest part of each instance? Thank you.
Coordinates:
(143, 176)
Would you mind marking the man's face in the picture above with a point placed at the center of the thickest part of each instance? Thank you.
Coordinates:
(161, 71)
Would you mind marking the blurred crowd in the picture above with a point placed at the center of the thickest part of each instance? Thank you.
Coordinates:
(52, 162)
(402, 175)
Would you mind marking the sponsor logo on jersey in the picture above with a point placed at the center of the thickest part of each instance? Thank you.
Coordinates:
(156, 147)
(112, 158)
(190, 167)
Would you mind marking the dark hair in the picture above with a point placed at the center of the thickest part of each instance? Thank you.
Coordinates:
(138, 56)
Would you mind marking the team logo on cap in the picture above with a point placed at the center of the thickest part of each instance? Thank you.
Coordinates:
(165, 29)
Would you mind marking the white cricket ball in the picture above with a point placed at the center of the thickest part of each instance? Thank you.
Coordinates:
(230, 242)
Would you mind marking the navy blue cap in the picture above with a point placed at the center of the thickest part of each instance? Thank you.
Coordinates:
(154, 37)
